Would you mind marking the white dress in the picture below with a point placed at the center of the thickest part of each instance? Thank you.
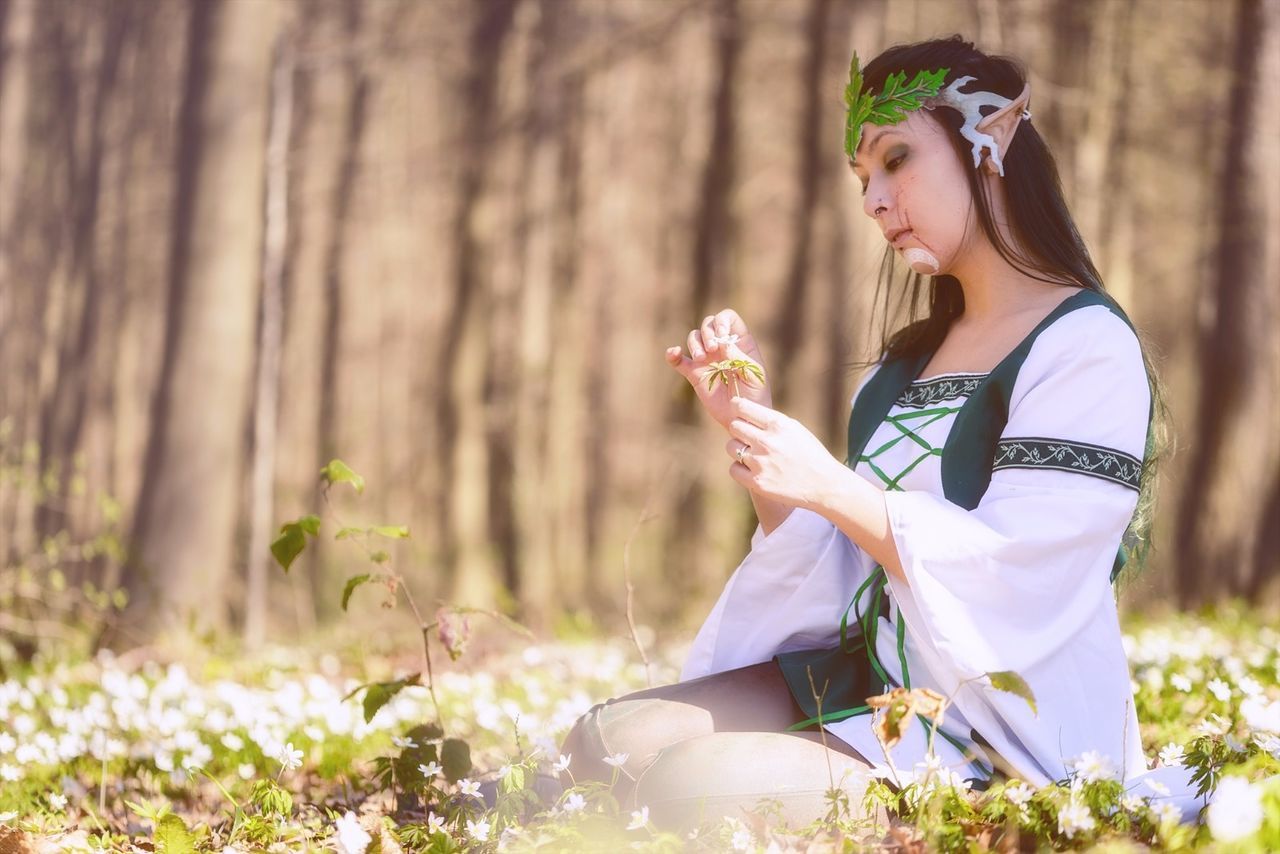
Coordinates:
(1021, 582)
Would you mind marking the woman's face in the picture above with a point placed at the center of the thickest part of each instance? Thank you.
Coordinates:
(910, 172)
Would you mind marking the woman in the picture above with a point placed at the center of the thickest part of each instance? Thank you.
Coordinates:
(1000, 448)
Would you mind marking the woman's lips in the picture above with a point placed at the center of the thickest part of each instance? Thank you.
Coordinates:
(902, 237)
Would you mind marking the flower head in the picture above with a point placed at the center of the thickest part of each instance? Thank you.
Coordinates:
(478, 830)
(349, 836)
(1075, 817)
(1172, 754)
(288, 757)
(1092, 765)
(431, 770)
(469, 787)
(617, 760)
(1235, 812)
(639, 819)
(575, 803)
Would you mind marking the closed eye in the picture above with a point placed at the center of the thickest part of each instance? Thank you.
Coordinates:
(891, 166)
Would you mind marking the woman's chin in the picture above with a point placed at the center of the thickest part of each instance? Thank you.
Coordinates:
(921, 260)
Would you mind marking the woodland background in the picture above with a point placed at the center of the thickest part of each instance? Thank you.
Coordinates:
(448, 240)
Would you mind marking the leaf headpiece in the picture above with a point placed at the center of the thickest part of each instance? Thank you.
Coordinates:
(888, 107)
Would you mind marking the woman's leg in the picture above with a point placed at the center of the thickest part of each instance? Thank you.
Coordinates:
(723, 774)
(752, 699)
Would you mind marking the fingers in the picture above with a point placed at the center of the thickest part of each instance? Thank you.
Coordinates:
(733, 446)
(709, 333)
(676, 359)
(747, 433)
(721, 325)
(697, 352)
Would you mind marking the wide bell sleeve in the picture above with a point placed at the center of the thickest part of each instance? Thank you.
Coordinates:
(787, 594)
(1021, 582)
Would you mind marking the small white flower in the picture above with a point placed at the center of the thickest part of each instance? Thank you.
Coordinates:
(431, 770)
(561, 764)
(232, 742)
(1219, 689)
(1249, 686)
(1018, 793)
(1258, 714)
(478, 830)
(1172, 754)
(1092, 765)
(288, 757)
(1075, 817)
(742, 840)
(1167, 813)
(403, 743)
(469, 787)
(1133, 803)
(617, 760)
(1180, 682)
(639, 819)
(574, 803)
(57, 801)
(1235, 812)
(1215, 724)
(350, 837)
(503, 772)
(9, 773)
(434, 822)
(1269, 743)
(246, 770)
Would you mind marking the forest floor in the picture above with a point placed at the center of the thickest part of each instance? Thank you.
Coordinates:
(219, 752)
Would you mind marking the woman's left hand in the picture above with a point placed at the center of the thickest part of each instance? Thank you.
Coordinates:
(783, 460)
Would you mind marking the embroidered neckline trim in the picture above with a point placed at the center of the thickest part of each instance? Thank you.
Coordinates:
(950, 375)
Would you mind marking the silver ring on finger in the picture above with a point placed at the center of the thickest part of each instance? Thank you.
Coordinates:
(740, 452)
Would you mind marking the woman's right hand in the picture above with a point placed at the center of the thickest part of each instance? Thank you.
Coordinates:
(706, 345)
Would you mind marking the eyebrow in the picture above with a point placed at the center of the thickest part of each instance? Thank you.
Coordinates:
(872, 147)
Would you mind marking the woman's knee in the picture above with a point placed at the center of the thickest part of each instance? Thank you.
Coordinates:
(724, 774)
(627, 733)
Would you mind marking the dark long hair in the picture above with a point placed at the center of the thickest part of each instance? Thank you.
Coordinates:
(1048, 244)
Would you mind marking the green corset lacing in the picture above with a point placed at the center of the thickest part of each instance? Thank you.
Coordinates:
(876, 581)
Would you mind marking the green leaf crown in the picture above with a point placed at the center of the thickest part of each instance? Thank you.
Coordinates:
(890, 106)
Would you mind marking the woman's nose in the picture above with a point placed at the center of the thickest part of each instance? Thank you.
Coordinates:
(874, 203)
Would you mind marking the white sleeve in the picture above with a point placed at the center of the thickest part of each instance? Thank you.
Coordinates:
(1007, 585)
(787, 594)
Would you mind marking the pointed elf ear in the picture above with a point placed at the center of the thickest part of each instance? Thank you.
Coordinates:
(1003, 123)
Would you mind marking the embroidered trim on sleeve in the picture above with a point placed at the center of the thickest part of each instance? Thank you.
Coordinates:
(1038, 452)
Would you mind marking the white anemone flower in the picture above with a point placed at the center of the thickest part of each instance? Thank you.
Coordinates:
(478, 830)
(1075, 817)
(1172, 754)
(288, 757)
(1236, 810)
(349, 836)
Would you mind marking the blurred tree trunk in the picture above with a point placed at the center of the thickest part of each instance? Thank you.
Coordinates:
(1234, 459)
(17, 38)
(708, 285)
(789, 328)
(261, 510)
(184, 535)
(80, 284)
(463, 352)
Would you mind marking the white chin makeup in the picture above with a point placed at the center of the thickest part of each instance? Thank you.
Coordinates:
(921, 260)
